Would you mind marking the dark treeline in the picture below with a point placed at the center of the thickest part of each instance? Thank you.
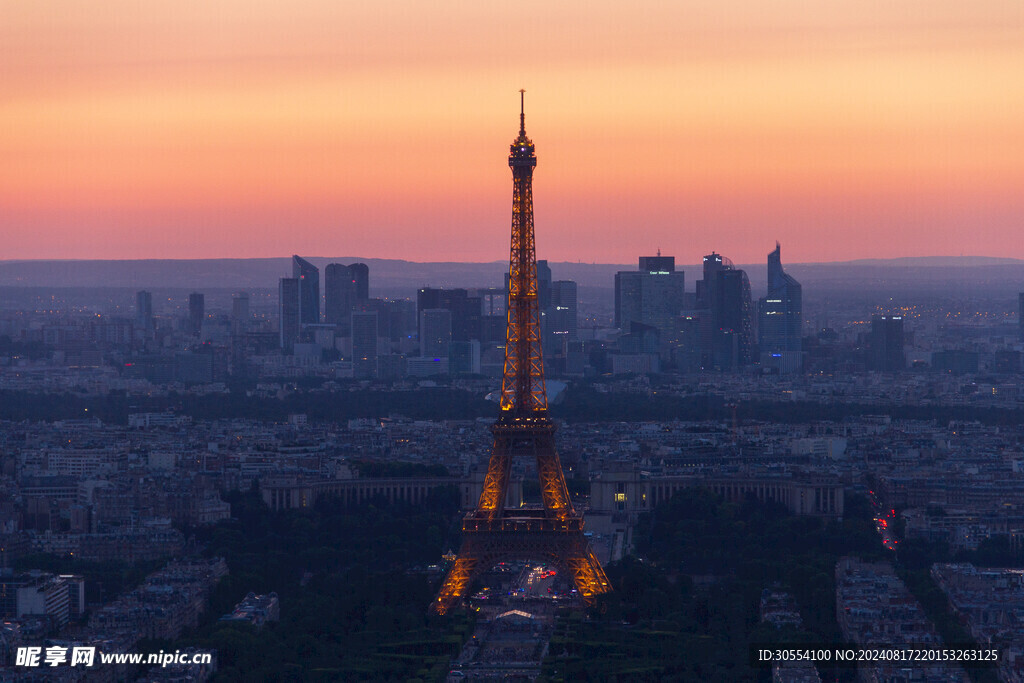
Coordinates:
(114, 408)
(584, 404)
(690, 609)
(350, 607)
(581, 404)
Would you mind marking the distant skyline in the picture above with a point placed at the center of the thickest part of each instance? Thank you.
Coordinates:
(845, 130)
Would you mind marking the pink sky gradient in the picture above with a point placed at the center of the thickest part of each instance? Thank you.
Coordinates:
(848, 129)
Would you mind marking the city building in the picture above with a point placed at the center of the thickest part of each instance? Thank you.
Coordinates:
(196, 313)
(288, 312)
(543, 284)
(308, 277)
(633, 492)
(651, 295)
(465, 310)
(732, 313)
(727, 333)
(144, 310)
(780, 319)
(256, 610)
(397, 321)
(561, 318)
(361, 276)
(41, 594)
(885, 344)
(240, 313)
(713, 263)
(464, 357)
(494, 302)
(346, 289)
(168, 603)
(435, 332)
(989, 603)
(956, 361)
(875, 610)
(364, 344)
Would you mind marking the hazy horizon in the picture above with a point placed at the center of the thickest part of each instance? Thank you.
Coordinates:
(936, 259)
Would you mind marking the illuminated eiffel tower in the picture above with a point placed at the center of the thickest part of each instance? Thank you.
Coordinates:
(553, 533)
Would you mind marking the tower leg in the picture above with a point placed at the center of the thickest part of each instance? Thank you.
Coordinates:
(492, 498)
(569, 553)
(456, 584)
(553, 490)
(587, 574)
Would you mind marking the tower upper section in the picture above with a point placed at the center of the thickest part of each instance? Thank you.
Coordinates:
(522, 387)
(522, 154)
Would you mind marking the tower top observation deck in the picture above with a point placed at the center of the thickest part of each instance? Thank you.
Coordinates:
(522, 152)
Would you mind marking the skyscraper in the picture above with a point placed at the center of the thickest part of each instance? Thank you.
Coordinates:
(466, 319)
(733, 318)
(364, 344)
(543, 284)
(308, 277)
(288, 312)
(705, 288)
(464, 357)
(361, 276)
(398, 319)
(196, 313)
(885, 344)
(561, 317)
(435, 332)
(240, 313)
(144, 310)
(494, 303)
(724, 294)
(339, 294)
(239, 332)
(651, 295)
(346, 289)
(780, 319)
(658, 264)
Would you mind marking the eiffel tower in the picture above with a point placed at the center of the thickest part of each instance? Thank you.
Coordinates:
(553, 533)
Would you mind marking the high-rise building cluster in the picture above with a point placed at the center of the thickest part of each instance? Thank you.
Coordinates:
(457, 331)
(454, 331)
(712, 328)
(655, 322)
(349, 313)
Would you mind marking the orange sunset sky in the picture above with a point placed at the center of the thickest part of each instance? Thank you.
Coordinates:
(197, 128)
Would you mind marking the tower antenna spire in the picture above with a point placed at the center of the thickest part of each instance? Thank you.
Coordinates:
(522, 111)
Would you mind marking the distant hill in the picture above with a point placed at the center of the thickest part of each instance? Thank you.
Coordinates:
(389, 274)
(933, 261)
(393, 277)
